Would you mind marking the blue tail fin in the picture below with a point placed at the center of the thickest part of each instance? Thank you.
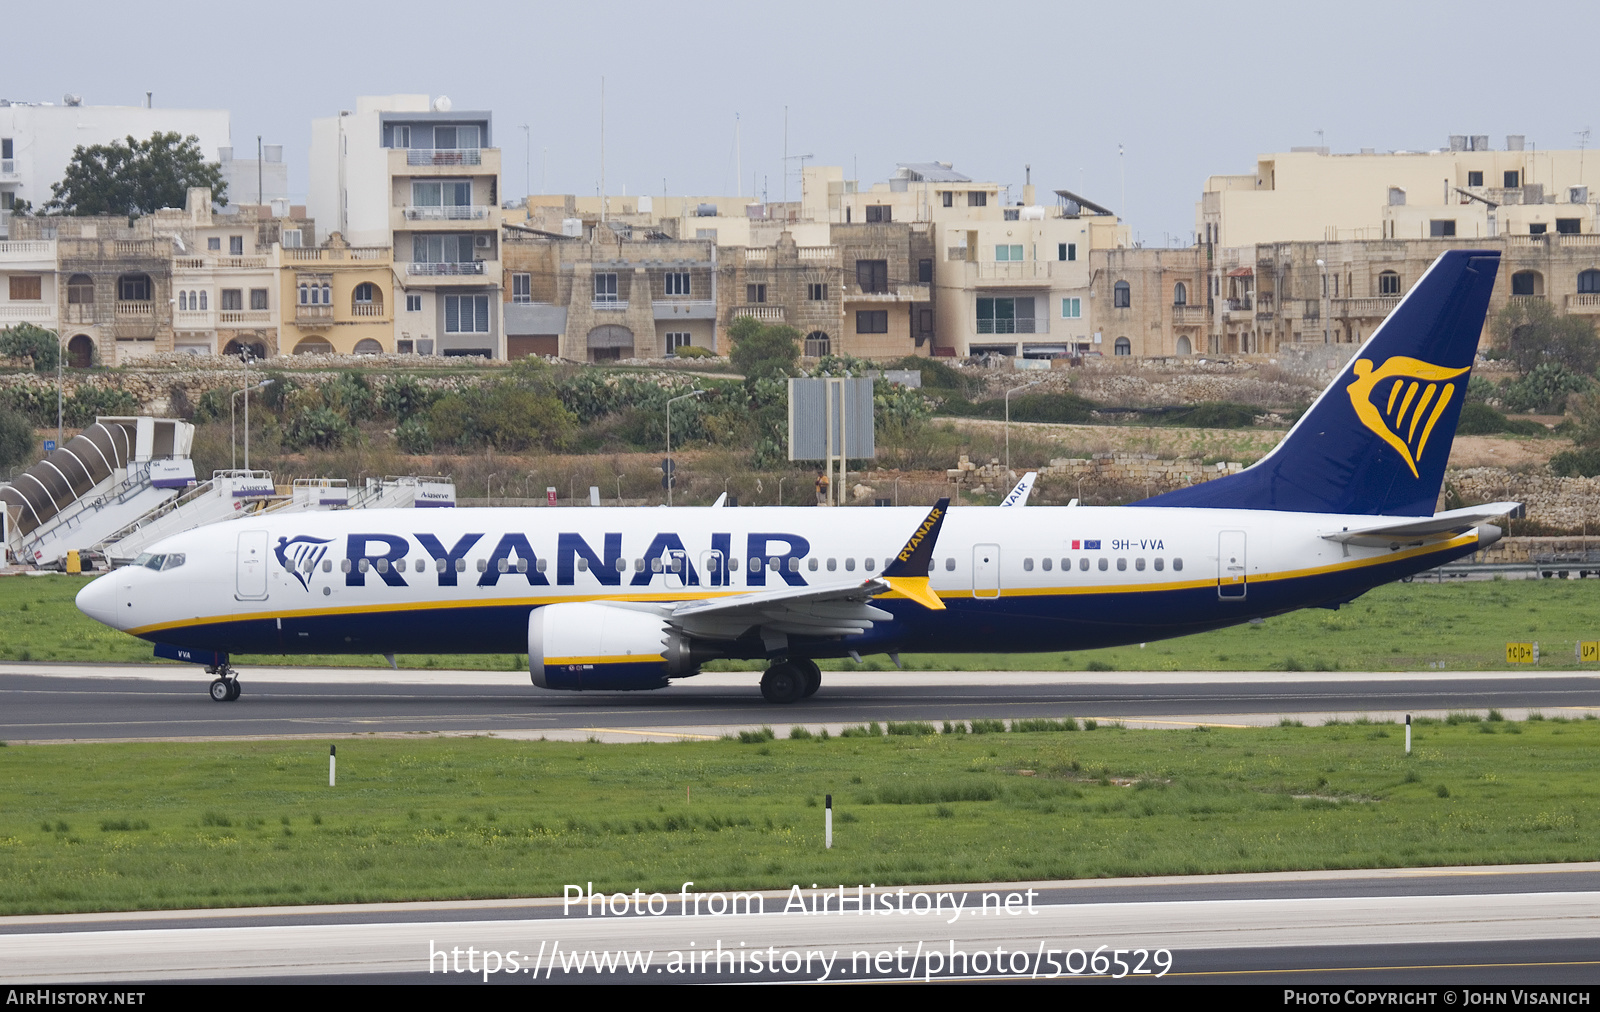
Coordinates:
(1376, 440)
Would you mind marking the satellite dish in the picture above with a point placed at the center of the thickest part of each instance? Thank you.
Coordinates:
(71, 99)
(441, 104)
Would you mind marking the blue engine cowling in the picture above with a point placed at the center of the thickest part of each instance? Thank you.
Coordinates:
(587, 645)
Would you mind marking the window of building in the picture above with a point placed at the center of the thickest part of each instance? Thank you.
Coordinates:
(26, 289)
(1569, 226)
(925, 322)
(678, 339)
(183, 302)
(872, 321)
(441, 193)
(1067, 251)
(1012, 214)
(605, 287)
(1388, 283)
(441, 249)
(1004, 253)
(413, 303)
(1121, 295)
(6, 147)
(1123, 346)
(214, 243)
(402, 137)
(817, 346)
(1006, 316)
(448, 137)
(977, 198)
(466, 314)
(872, 275)
(291, 238)
(80, 290)
(754, 294)
(133, 288)
(203, 298)
(924, 272)
(1537, 228)
(1513, 180)
(1589, 283)
(232, 298)
(1525, 283)
(677, 282)
(817, 292)
(258, 298)
(1441, 229)
(1474, 179)
(522, 288)
(1180, 294)
(706, 233)
(877, 214)
(236, 245)
(1071, 309)
(363, 294)
(949, 198)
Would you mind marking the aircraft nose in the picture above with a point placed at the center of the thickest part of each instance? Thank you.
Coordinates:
(98, 600)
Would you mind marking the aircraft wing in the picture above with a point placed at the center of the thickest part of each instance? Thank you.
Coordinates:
(1448, 522)
(837, 610)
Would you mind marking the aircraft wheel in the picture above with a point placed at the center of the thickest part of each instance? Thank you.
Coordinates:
(234, 688)
(221, 691)
(812, 675)
(783, 683)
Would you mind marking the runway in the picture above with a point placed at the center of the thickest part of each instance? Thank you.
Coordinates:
(1533, 924)
(47, 702)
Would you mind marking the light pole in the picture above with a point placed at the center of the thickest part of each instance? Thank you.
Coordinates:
(60, 354)
(1008, 421)
(1323, 267)
(670, 476)
(233, 427)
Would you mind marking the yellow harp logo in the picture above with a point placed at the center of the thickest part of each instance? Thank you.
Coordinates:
(1402, 400)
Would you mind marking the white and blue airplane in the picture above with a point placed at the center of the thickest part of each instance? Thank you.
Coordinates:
(607, 599)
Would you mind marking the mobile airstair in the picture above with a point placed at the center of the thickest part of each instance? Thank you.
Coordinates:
(227, 495)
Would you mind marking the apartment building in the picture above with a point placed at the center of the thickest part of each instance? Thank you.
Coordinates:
(1465, 190)
(29, 287)
(422, 179)
(337, 299)
(37, 140)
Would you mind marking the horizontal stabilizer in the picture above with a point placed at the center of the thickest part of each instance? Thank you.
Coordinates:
(1440, 524)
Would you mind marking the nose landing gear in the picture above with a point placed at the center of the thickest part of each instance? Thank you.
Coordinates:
(226, 687)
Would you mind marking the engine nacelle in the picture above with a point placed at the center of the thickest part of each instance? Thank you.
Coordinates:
(586, 645)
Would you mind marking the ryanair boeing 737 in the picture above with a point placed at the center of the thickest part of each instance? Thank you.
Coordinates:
(605, 599)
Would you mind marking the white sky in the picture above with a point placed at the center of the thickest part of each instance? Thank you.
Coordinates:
(1189, 90)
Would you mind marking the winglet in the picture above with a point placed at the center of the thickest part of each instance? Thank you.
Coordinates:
(908, 573)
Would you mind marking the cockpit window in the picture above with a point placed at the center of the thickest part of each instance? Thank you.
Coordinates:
(160, 563)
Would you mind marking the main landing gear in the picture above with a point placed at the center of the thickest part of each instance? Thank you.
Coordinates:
(789, 680)
(226, 687)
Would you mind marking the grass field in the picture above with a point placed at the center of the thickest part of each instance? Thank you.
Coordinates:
(1399, 627)
(105, 827)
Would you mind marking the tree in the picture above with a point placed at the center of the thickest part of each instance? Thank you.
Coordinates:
(27, 341)
(1531, 333)
(760, 351)
(16, 439)
(136, 177)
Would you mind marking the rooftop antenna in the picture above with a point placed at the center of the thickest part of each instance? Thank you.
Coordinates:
(785, 154)
(1583, 142)
(527, 162)
(1321, 141)
(738, 166)
(1122, 166)
(602, 150)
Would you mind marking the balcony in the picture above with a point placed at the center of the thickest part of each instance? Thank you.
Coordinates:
(614, 305)
(445, 269)
(1037, 325)
(756, 256)
(335, 254)
(447, 212)
(200, 263)
(8, 169)
(38, 254)
(1365, 308)
(1584, 302)
(41, 313)
(366, 309)
(766, 314)
(313, 316)
(684, 309)
(193, 319)
(243, 317)
(135, 310)
(1190, 314)
(1031, 272)
(818, 252)
(956, 253)
(444, 156)
(898, 293)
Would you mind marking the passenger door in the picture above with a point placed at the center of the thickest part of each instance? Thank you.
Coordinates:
(1232, 580)
(986, 571)
(252, 566)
